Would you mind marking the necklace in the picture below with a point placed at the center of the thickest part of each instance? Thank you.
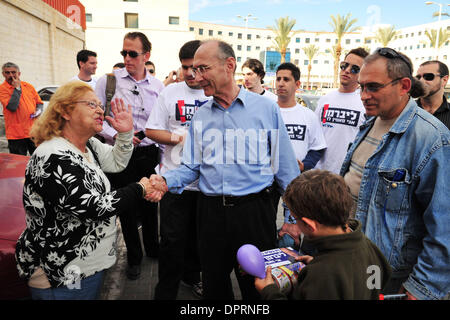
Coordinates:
(84, 154)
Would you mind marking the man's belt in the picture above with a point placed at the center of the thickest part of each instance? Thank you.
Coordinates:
(231, 201)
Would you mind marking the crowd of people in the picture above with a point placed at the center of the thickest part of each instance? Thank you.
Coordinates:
(362, 179)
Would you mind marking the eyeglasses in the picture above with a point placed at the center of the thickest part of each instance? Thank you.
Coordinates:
(200, 70)
(151, 71)
(354, 69)
(132, 54)
(91, 104)
(374, 87)
(428, 76)
(392, 54)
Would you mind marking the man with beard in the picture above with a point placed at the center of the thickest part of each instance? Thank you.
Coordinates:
(21, 105)
(341, 112)
(434, 76)
(168, 124)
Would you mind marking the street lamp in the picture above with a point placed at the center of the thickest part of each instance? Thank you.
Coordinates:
(246, 18)
(439, 25)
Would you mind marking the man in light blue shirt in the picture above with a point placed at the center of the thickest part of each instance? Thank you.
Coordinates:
(237, 146)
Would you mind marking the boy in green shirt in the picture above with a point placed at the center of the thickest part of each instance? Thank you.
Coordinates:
(345, 265)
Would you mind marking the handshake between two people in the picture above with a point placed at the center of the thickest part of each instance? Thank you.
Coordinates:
(155, 187)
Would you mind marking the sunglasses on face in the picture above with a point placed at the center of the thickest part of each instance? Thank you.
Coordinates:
(151, 71)
(392, 54)
(428, 76)
(354, 69)
(375, 87)
(132, 54)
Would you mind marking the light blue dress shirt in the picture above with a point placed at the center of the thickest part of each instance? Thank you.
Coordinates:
(236, 151)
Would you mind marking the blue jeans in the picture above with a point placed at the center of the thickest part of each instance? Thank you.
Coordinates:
(88, 289)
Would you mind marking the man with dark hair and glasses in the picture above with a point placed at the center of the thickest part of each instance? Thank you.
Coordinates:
(398, 175)
(341, 112)
(434, 75)
(137, 87)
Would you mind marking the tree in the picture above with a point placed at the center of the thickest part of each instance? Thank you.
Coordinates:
(282, 29)
(311, 51)
(341, 25)
(385, 35)
(444, 36)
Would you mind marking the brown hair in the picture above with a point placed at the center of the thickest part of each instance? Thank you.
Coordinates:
(321, 196)
(51, 122)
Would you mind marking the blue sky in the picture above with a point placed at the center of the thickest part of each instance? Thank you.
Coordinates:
(315, 15)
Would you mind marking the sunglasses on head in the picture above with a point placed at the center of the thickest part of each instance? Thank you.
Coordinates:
(392, 54)
(428, 76)
(354, 69)
(132, 54)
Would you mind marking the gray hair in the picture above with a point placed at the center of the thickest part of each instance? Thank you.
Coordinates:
(10, 65)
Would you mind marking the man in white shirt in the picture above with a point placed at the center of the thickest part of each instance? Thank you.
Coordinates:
(168, 124)
(304, 132)
(254, 74)
(87, 63)
(341, 112)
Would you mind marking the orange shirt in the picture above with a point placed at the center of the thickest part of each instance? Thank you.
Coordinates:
(18, 123)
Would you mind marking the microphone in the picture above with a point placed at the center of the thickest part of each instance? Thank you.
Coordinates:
(135, 90)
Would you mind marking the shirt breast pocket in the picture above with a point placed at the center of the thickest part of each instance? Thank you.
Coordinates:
(392, 190)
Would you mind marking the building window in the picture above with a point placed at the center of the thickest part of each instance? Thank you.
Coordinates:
(249, 48)
(296, 62)
(210, 33)
(328, 40)
(258, 36)
(174, 20)
(238, 59)
(200, 32)
(131, 20)
(326, 62)
(239, 35)
(130, 0)
(315, 61)
(249, 37)
(269, 37)
(306, 62)
(257, 48)
(230, 34)
(297, 40)
(239, 47)
(297, 50)
(307, 40)
(219, 33)
(347, 41)
(88, 17)
(358, 40)
(191, 28)
(317, 40)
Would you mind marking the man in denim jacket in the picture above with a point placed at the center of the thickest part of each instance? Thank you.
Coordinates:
(397, 172)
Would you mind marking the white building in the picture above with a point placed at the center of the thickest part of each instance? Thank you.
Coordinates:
(167, 25)
(164, 22)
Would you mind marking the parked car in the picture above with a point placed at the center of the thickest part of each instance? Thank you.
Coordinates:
(308, 100)
(46, 93)
(12, 224)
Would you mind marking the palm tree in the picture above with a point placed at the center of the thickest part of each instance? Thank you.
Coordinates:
(341, 25)
(282, 29)
(385, 35)
(311, 51)
(444, 36)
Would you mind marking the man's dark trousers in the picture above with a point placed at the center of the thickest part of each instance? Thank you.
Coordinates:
(222, 230)
(178, 258)
(142, 164)
(21, 146)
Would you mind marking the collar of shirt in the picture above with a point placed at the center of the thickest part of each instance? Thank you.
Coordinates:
(241, 99)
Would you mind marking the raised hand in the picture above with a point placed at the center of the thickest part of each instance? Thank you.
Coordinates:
(123, 117)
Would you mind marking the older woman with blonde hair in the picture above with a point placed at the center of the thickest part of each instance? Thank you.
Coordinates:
(70, 208)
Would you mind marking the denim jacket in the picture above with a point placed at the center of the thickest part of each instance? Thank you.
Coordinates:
(407, 215)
